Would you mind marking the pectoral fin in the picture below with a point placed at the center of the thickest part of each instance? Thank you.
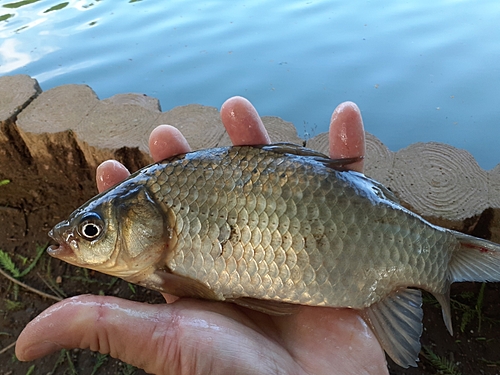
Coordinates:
(266, 306)
(397, 323)
(180, 286)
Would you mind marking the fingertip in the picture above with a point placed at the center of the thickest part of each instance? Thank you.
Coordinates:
(26, 353)
(166, 141)
(38, 338)
(109, 173)
(170, 298)
(108, 325)
(347, 135)
(243, 123)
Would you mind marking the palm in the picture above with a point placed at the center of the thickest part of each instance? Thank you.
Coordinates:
(199, 336)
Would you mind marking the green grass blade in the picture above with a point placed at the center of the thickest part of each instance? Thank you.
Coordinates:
(443, 365)
(100, 360)
(7, 264)
(40, 251)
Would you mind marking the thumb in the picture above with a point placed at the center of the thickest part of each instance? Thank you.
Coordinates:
(131, 331)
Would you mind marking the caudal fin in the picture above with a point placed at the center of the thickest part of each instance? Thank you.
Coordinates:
(476, 260)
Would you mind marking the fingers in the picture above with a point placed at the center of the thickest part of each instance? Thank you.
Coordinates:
(131, 331)
(347, 135)
(243, 123)
(245, 127)
(186, 337)
(169, 298)
(166, 141)
(109, 173)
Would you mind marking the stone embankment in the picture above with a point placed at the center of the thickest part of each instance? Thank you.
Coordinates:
(52, 141)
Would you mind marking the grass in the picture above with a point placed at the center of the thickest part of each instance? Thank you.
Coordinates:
(444, 365)
(490, 363)
(71, 365)
(131, 287)
(468, 312)
(59, 361)
(471, 313)
(128, 369)
(479, 306)
(13, 305)
(8, 264)
(101, 359)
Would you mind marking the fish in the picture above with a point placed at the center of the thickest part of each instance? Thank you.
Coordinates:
(275, 226)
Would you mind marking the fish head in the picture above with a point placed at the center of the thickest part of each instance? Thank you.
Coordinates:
(122, 232)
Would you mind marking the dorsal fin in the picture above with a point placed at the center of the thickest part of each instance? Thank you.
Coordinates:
(293, 149)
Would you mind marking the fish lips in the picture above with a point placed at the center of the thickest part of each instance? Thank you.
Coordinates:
(62, 234)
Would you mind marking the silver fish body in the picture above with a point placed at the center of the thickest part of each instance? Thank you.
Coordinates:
(274, 225)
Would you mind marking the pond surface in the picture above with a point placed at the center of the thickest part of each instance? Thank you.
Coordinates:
(419, 70)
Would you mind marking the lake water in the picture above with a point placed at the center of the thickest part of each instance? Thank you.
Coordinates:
(419, 70)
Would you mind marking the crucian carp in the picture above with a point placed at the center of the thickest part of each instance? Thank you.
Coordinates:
(273, 226)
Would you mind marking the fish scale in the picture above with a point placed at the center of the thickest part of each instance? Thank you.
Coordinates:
(323, 249)
(273, 226)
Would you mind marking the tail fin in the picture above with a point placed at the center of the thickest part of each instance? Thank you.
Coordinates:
(476, 260)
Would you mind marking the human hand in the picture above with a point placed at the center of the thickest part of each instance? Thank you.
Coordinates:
(195, 336)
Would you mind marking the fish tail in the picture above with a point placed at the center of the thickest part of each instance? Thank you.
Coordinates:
(475, 260)
(397, 319)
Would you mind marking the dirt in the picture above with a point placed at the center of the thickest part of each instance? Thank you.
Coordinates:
(38, 197)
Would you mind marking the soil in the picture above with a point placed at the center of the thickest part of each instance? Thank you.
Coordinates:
(43, 192)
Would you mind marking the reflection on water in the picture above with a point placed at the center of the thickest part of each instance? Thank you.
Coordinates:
(420, 71)
(19, 4)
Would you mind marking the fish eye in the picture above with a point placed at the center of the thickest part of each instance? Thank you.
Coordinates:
(91, 226)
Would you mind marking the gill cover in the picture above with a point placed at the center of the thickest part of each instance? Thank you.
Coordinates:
(143, 231)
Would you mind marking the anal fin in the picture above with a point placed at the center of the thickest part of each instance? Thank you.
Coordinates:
(397, 323)
(266, 306)
(444, 301)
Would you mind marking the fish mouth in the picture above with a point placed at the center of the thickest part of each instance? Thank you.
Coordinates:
(61, 250)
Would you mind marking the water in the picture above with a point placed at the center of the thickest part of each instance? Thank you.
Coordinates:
(419, 70)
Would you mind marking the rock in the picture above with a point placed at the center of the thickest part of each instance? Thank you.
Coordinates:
(201, 125)
(319, 143)
(439, 180)
(16, 92)
(281, 131)
(58, 109)
(379, 159)
(144, 101)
